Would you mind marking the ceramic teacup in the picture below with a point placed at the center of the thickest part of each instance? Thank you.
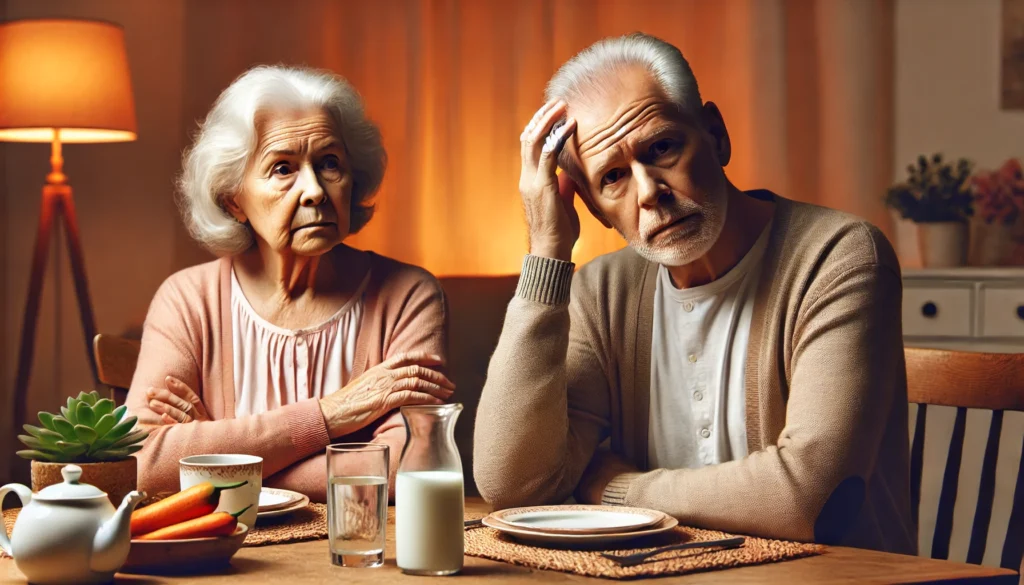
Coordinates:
(223, 470)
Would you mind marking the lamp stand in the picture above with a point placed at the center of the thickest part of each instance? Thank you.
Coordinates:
(57, 203)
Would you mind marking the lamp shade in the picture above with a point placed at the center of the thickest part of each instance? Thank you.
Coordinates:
(70, 75)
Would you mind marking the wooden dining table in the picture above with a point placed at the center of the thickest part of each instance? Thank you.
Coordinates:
(309, 562)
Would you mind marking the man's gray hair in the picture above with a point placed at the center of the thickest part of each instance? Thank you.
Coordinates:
(588, 71)
(215, 165)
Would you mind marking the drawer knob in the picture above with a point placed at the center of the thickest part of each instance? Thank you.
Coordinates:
(929, 309)
(1020, 311)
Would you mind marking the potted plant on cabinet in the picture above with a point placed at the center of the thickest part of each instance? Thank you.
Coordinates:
(91, 433)
(999, 198)
(937, 197)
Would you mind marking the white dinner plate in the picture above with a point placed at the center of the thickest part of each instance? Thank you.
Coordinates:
(577, 519)
(287, 510)
(276, 499)
(579, 540)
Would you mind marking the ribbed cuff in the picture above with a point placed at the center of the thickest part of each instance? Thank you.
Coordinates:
(615, 492)
(305, 422)
(545, 280)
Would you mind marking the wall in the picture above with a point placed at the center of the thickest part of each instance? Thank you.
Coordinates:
(127, 218)
(947, 90)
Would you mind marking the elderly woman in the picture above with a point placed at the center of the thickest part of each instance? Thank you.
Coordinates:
(291, 340)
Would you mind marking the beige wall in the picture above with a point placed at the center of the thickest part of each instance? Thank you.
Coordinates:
(947, 89)
(126, 214)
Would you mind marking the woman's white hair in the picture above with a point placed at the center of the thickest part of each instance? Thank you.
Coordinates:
(214, 167)
(588, 71)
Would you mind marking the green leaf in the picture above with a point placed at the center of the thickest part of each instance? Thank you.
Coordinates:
(69, 414)
(45, 435)
(34, 443)
(104, 424)
(89, 398)
(85, 434)
(36, 455)
(103, 407)
(72, 449)
(47, 420)
(117, 454)
(123, 427)
(65, 428)
(119, 412)
(85, 415)
(130, 439)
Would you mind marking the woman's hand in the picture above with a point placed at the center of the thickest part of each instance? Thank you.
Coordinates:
(177, 403)
(553, 224)
(403, 380)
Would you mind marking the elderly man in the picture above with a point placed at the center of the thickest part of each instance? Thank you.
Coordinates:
(743, 354)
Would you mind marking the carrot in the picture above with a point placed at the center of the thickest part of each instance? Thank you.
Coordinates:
(198, 500)
(216, 524)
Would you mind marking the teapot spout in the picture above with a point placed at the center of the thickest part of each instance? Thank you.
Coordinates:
(113, 539)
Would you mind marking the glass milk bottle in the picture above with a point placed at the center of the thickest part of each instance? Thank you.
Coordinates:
(429, 493)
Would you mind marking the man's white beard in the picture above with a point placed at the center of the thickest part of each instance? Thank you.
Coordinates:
(682, 249)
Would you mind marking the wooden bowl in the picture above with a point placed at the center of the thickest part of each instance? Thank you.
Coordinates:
(191, 555)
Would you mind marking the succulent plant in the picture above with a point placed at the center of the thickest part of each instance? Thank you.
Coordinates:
(88, 430)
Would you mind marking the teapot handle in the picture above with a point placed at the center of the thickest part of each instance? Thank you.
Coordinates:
(25, 495)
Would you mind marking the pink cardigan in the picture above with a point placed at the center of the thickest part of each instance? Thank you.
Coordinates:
(187, 334)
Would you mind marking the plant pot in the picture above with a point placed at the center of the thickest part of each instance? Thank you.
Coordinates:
(991, 244)
(942, 244)
(117, 478)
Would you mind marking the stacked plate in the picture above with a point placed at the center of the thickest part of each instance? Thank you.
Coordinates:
(278, 502)
(576, 525)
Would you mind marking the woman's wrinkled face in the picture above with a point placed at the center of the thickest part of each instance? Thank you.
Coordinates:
(297, 189)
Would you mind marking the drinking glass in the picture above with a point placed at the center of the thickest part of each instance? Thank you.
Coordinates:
(357, 503)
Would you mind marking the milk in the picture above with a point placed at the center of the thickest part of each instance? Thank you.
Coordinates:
(429, 522)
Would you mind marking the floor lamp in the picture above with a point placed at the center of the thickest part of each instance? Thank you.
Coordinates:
(61, 81)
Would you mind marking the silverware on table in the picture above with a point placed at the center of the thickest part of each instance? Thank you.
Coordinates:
(637, 558)
(473, 523)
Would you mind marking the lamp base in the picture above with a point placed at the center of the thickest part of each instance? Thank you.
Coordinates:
(57, 203)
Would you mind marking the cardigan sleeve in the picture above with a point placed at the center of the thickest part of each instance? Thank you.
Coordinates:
(545, 406)
(172, 345)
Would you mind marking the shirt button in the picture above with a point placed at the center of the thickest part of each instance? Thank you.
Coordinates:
(687, 306)
(693, 358)
(698, 396)
(301, 341)
(705, 433)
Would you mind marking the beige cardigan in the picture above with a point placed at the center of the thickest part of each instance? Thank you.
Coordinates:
(825, 390)
(187, 334)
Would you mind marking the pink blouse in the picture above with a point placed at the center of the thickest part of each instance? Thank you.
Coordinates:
(274, 366)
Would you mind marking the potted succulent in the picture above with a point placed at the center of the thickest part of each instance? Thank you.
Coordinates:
(91, 433)
(999, 198)
(937, 197)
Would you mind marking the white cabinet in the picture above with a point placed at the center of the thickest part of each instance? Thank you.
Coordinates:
(972, 309)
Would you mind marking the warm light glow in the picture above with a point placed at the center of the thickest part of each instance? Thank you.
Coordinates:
(66, 135)
(66, 74)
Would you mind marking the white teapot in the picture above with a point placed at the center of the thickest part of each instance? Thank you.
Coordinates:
(69, 532)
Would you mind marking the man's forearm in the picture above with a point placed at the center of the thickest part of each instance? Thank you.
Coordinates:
(522, 423)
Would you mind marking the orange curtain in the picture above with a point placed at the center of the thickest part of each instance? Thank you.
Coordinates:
(804, 85)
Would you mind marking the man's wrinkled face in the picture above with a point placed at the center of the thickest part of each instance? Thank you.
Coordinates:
(652, 172)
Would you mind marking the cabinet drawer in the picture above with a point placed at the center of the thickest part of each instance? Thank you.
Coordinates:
(937, 311)
(1002, 312)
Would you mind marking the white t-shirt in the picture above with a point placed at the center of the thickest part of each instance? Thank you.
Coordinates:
(698, 355)
(276, 366)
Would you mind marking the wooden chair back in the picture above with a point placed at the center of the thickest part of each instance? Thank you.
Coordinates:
(116, 358)
(976, 401)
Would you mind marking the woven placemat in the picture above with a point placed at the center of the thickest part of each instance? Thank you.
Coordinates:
(309, 523)
(490, 544)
